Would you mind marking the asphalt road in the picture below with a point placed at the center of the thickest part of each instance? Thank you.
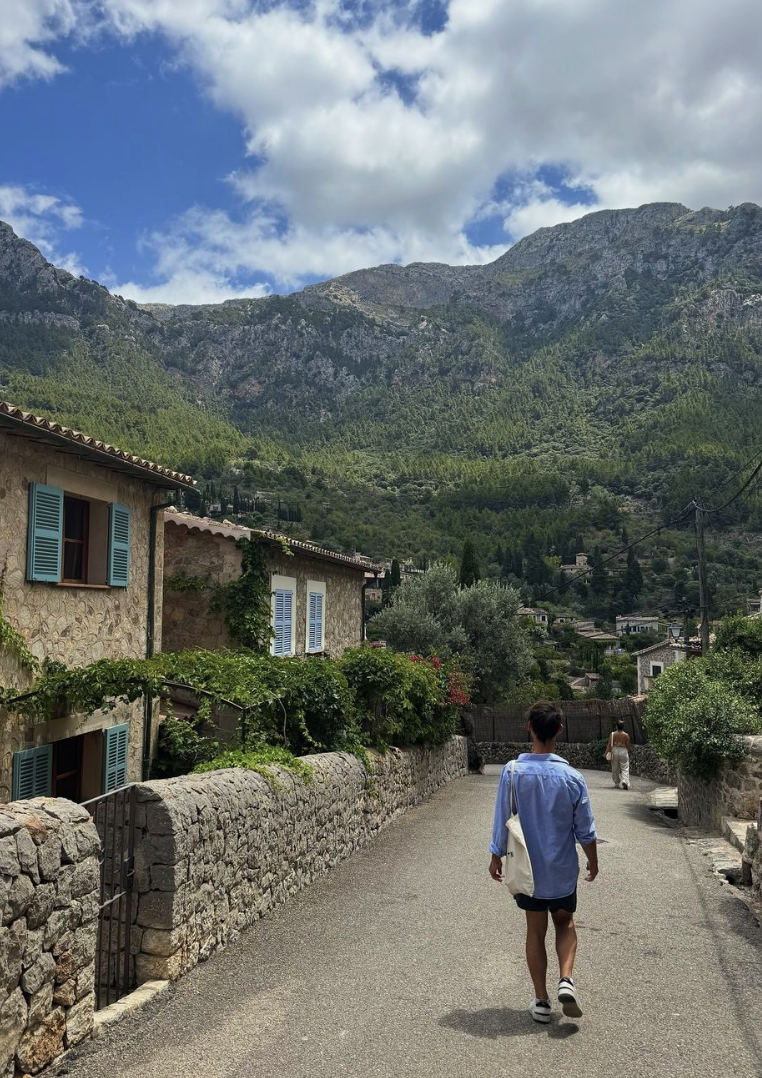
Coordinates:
(407, 960)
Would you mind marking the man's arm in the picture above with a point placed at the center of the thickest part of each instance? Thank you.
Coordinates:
(584, 829)
(499, 842)
(591, 853)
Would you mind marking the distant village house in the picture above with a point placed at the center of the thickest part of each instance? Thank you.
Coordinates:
(636, 623)
(653, 661)
(536, 613)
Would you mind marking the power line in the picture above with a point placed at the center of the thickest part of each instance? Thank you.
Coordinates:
(738, 493)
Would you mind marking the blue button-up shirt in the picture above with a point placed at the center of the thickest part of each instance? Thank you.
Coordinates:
(554, 809)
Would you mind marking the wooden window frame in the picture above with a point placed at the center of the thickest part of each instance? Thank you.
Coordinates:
(84, 543)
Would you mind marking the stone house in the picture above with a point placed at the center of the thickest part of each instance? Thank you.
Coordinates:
(636, 623)
(81, 557)
(578, 566)
(537, 614)
(654, 661)
(317, 604)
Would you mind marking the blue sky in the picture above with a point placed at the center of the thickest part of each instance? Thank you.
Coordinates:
(195, 150)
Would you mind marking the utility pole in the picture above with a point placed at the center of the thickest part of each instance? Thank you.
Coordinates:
(703, 590)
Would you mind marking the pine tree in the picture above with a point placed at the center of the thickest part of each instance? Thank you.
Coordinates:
(236, 500)
(469, 565)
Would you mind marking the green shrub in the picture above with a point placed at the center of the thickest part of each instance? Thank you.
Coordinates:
(262, 761)
(694, 718)
(399, 701)
(597, 749)
(742, 633)
(181, 748)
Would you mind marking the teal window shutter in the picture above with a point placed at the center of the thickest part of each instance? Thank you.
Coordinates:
(119, 546)
(115, 746)
(283, 614)
(45, 537)
(315, 613)
(33, 773)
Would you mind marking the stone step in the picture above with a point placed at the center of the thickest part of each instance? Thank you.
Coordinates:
(734, 830)
(724, 858)
(664, 799)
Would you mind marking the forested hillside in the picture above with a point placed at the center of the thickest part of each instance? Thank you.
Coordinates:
(590, 381)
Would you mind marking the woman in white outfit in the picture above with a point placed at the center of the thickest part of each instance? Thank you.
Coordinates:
(619, 748)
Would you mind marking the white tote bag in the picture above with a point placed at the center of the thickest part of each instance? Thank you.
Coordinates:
(517, 872)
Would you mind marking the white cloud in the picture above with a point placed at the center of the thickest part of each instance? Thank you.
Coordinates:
(26, 27)
(205, 255)
(635, 102)
(41, 218)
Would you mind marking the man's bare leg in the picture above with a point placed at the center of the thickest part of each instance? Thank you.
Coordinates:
(537, 959)
(566, 941)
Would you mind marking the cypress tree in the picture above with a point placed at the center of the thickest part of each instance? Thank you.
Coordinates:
(469, 565)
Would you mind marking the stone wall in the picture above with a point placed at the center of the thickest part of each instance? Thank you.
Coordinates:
(49, 894)
(735, 792)
(190, 620)
(216, 851)
(643, 759)
(72, 624)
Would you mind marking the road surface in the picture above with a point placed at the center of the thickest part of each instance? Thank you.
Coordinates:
(407, 962)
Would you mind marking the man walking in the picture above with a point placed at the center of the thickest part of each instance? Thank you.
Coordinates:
(554, 809)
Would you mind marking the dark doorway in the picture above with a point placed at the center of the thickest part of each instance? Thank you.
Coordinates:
(67, 768)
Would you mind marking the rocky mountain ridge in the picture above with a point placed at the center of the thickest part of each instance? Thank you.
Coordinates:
(601, 285)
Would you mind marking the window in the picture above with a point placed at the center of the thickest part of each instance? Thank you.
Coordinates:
(32, 773)
(282, 608)
(77, 540)
(315, 638)
(656, 669)
(67, 768)
(115, 744)
(76, 529)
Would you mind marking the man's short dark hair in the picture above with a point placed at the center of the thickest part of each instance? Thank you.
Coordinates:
(620, 724)
(546, 719)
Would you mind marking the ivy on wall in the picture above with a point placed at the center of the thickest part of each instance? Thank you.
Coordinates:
(246, 601)
(14, 643)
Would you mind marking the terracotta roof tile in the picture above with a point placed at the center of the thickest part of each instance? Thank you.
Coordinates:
(29, 424)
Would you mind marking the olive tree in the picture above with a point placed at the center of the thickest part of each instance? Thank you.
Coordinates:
(480, 624)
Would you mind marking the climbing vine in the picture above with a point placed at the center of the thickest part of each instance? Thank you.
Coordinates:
(246, 601)
(181, 582)
(12, 641)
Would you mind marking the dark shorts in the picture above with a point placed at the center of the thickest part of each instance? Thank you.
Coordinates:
(547, 905)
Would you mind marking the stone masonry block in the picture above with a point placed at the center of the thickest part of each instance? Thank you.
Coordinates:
(156, 941)
(13, 1017)
(39, 974)
(161, 909)
(79, 1021)
(9, 858)
(41, 1004)
(41, 906)
(27, 855)
(49, 857)
(170, 877)
(86, 878)
(150, 967)
(40, 1045)
(12, 947)
(18, 897)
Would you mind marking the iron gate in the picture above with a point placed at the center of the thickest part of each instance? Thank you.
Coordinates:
(114, 817)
